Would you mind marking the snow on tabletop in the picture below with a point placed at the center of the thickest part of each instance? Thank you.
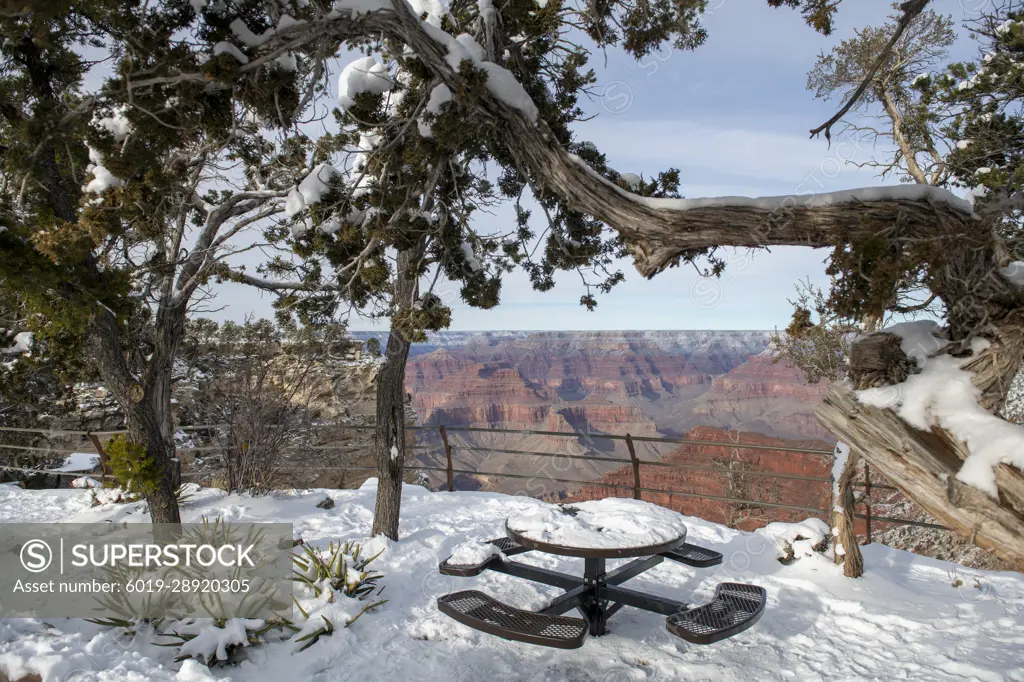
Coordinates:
(901, 620)
(474, 553)
(942, 394)
(611, 523)
(363, 75)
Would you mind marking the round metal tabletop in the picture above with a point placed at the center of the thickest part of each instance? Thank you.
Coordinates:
(596, 552)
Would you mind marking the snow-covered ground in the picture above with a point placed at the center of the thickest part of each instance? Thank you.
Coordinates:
(904, 619)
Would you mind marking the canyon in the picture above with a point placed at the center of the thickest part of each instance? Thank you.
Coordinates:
(700, 478)
(588, 386)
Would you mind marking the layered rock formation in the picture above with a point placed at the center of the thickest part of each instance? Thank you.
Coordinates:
(764, 396)
(613, 382)
(728, 471)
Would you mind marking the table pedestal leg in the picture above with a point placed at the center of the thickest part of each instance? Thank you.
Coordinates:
(595, 603)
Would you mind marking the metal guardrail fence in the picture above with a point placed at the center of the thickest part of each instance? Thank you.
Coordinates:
(449, 469)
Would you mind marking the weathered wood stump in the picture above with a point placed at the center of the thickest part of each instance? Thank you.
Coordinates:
(924, 464)
(844, 534)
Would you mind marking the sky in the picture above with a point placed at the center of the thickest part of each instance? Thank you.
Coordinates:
(733, 116)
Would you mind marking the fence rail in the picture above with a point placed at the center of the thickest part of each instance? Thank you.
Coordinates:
(449, 469)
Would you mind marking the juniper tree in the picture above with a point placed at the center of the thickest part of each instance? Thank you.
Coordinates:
(878, 237)
(893, 110)
(127, 200)
(399, 193)
(509, 72)
(121, 205)
(907, 121)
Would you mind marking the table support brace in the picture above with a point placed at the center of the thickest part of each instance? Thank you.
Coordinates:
(536, 574)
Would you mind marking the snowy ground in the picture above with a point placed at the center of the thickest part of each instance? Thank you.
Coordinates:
(903, 620)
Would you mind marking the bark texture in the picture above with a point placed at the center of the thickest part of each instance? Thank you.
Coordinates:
(924, 464)
(147, 413)
(390, 433)
(843, 528)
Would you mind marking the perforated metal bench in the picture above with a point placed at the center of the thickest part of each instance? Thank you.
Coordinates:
(508, 547)
(734, 608)
(693, 555)
(484, 613)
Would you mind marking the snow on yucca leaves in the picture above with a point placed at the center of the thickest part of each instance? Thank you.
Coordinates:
(338, 588)
(219, 641)
(335, 589)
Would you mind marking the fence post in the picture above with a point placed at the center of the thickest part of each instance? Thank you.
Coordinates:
(104, 464)
(867, 501)
(636, 467)
(448, 455)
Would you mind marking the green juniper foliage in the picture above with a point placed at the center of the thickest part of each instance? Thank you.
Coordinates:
(204, 132)
(133, 469)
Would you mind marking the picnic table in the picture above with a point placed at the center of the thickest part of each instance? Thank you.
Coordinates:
(595, 531)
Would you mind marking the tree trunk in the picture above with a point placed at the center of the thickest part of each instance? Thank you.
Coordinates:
(909, 153)
(147, 413)
(147, 422)
(389, 442)
(843, 531)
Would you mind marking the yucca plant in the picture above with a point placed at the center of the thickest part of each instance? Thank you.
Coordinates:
(337, 569)
(340, 567)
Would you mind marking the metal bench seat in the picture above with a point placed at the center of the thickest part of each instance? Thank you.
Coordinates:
(734, 608)
(484, 613)
(508, 547)
(693, 555)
